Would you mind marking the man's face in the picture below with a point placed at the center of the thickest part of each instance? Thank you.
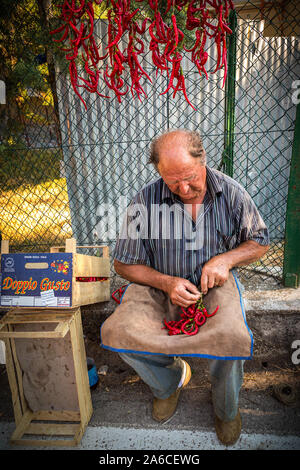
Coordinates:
(183, 174)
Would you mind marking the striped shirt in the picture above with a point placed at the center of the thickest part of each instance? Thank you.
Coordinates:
(159, 232)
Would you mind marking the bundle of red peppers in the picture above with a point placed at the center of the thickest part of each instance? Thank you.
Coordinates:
(127, 26)
(192, 319)
(91, 279)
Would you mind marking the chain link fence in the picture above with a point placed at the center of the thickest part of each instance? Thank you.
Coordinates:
(63, 169)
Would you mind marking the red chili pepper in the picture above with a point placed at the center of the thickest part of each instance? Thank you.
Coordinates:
(175, 29)
(64, 36)
(127, 17)
(211, 314)
(218, 54)
(200, 319)
(58, 30)
(80, 7)
(156, 39)
(153, 4)
(113, 86)
(142, 29)
(169, 4)
(160, 27)
(189, 328)
(73, 77)
(118, 292)
(192, 319)
(118, 37)
(91, 17)
(140, 67)
(74, 27)
(184, 92)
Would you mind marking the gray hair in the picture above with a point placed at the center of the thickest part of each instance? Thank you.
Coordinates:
(194, 145)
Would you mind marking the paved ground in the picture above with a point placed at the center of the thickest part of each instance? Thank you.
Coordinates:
(122, 415)
(103, 438)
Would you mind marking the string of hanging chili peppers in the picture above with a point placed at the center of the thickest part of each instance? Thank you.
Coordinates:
(192, 318)
(128, 26)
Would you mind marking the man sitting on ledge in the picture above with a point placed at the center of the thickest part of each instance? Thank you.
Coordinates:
(169, 273)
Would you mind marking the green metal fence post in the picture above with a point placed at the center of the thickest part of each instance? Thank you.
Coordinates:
(227, 156)
(291, 263)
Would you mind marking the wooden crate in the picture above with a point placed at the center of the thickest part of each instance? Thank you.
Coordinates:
(82, 266)
(85, 293)
(47, 426)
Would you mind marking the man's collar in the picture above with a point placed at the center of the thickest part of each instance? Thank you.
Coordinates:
(166, 193)
(213, 186)
(213, 183)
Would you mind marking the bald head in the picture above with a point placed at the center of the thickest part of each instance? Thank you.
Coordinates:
(179, 158)
(190, 141)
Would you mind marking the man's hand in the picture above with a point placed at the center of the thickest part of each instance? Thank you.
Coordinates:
(214, 273)
(181, 291)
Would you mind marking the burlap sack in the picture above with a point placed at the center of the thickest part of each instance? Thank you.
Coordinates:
(137, 325)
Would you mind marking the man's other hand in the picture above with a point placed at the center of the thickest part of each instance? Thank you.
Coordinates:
(214, 273)
(181, 291)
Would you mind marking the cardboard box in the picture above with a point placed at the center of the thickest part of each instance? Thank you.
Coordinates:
(55, 279)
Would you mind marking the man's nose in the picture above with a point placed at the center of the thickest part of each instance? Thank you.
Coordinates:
(184, 187)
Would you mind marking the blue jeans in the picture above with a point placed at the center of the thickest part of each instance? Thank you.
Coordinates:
(163, 374)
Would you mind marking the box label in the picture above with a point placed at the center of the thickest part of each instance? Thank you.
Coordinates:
(48, 298)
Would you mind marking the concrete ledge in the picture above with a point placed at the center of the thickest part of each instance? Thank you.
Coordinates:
(274, 319)
(272, 301)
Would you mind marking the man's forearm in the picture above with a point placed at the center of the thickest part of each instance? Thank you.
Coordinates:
(142, 274)
(247, 253)
(215, 272)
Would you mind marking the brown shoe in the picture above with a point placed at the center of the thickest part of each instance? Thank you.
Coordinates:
(228, 432)
(163, 409)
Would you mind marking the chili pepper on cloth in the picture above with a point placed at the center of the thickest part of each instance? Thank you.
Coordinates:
(117, 294)
(192, 319)
(146, 321)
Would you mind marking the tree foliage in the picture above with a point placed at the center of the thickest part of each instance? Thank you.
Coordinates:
(24, 42)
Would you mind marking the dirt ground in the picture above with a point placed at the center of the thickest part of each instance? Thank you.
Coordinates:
(259, 374)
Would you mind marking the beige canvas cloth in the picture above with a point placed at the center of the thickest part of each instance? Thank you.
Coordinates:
(137, 324)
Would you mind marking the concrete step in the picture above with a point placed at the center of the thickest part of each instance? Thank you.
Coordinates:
(179, 446)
